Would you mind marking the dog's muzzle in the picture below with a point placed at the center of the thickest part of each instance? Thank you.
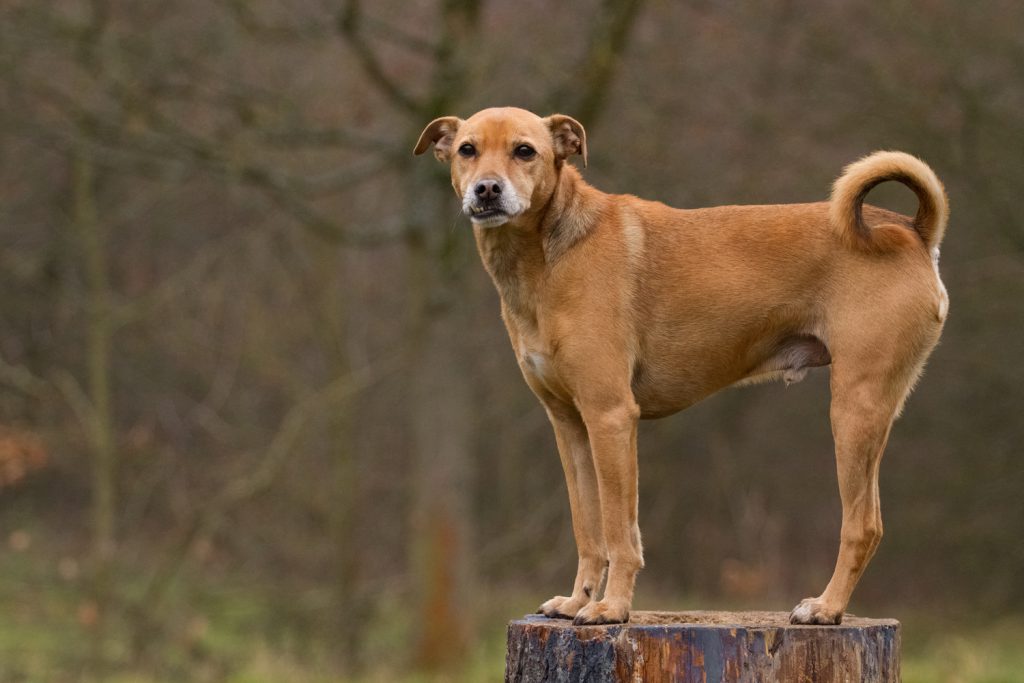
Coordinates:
(488, 203)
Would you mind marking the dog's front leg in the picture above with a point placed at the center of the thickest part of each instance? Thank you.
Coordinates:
(581, 481)
(612, 427)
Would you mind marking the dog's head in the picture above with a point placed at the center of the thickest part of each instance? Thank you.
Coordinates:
(504, 161)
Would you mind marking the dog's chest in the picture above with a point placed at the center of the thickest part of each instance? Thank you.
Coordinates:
(529, 329)
(536, 364)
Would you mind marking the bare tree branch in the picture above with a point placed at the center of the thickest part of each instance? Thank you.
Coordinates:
(22, 379)
(588, 89)
(242, 12)
(327, 137)
(80, 404)
(255, 481)
(451, 73)
(327, 228)
(166, 141)
(398, 36)
(349, 27)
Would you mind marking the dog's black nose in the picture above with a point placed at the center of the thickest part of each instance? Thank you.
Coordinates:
(487, 189)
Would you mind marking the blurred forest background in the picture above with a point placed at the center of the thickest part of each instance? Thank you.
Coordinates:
(259, 417)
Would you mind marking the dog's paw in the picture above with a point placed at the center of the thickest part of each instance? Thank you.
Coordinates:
(603, 612)
(552, 609)
(815, 611)
(561, 607)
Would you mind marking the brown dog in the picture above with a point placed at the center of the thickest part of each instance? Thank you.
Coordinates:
(620, 308)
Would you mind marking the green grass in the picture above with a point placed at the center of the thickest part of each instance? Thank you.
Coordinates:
(235, 631)
(989, 653)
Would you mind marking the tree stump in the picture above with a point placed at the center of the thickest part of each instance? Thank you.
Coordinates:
(702, 646)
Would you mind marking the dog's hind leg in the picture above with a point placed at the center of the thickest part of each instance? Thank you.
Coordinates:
(867, 392)
(584, 503)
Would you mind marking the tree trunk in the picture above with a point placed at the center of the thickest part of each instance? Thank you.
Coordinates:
(333, 336)
(703, 646)
(98, 360)
(442, 416)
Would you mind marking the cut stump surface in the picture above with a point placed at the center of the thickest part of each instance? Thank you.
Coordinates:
(703, 646)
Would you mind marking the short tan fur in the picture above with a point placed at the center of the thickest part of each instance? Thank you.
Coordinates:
(620, 308)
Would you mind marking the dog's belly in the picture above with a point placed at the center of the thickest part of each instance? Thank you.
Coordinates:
(664, 387)
(669, 382)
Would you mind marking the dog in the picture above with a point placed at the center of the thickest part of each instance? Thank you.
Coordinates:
(619, 308)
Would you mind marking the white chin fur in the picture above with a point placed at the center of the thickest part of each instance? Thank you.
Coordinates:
(490, 221)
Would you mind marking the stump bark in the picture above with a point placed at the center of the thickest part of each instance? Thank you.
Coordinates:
(702, 646)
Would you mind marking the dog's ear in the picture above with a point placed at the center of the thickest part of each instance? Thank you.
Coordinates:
(568, 136)
(440, 132)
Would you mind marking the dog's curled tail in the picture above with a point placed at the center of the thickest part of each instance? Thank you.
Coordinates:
(849, 190)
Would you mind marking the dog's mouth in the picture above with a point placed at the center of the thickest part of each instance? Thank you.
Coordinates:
(487, 215)
(485, 211)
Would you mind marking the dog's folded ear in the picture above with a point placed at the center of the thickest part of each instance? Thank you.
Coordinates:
(568, 136)
(440, 132)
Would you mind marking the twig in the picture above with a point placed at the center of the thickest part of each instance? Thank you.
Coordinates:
(21, 378)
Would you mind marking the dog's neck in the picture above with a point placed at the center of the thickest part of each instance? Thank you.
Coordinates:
(516, 254)
(569, 215)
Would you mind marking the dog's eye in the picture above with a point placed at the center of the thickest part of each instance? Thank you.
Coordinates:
(525, 152)
(467, 150)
